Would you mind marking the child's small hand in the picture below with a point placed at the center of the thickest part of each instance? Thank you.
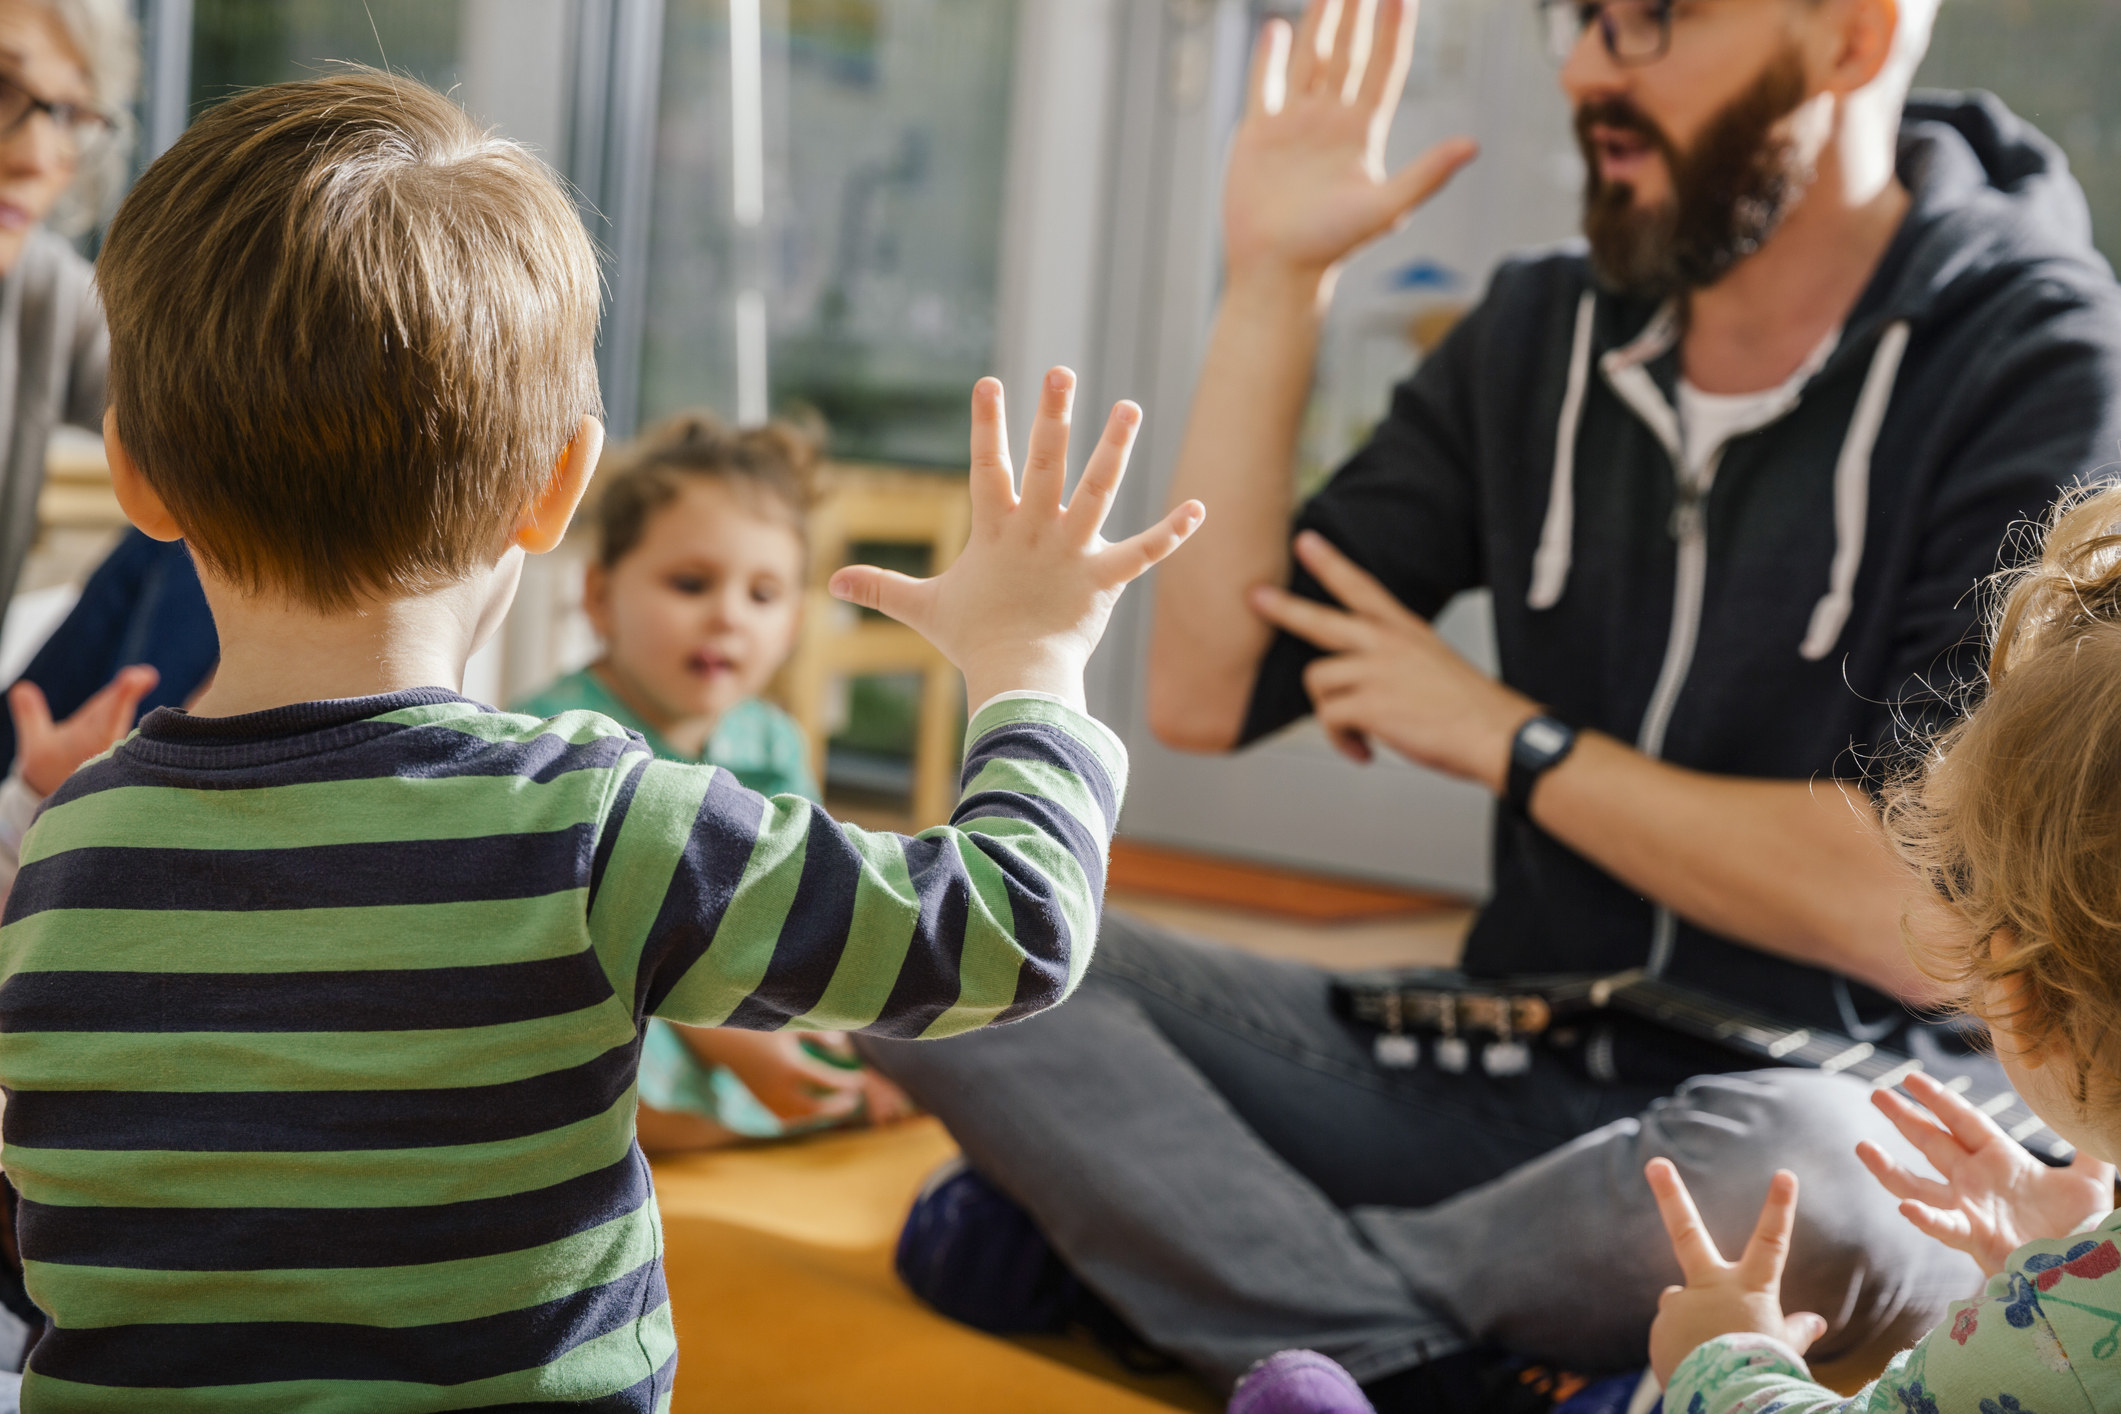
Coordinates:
(796, 1086)
(1027, 601)
(48, 752)
(1724, 1298)
(1995, 1196)
(882, 1102)
(777, 1067)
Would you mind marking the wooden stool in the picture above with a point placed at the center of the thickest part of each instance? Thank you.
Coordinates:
(882, 505)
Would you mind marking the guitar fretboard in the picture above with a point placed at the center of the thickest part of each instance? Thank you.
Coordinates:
(1695, 1014)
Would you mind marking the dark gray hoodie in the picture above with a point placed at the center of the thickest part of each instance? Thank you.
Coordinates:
(1784, 619)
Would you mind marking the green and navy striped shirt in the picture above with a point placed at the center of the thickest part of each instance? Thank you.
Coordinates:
(318, 1029)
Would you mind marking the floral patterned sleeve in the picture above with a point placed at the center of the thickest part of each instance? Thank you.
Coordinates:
(2042, 1339)
(1752, 1374)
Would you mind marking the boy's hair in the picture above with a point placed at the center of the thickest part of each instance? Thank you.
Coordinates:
(2014, 814)
(774, 468)
(351, 336)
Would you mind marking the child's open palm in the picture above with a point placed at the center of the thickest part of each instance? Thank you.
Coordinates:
(1724, 1298)
(1995, 1196)
(1028, 600)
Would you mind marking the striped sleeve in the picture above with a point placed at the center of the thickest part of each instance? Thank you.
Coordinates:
(722, 907)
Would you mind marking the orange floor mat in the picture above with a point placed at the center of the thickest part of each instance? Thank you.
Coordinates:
(779, 1262)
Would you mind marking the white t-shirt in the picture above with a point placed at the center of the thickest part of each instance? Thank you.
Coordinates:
(1708, 420)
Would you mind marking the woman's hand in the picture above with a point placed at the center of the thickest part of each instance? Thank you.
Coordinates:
(1027, 601)
(1724, 1298)
(47, 752)
(798, 1087)
(1306, 182)
(1995, 1196)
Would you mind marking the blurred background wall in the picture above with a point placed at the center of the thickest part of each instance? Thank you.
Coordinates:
(860, 206)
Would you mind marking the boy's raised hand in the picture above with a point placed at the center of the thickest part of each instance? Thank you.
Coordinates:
(1026, 603)
(1724, 1298)
(1995, 1196)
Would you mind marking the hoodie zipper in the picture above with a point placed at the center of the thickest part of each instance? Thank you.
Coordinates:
(1630, 380)
(1689, 528)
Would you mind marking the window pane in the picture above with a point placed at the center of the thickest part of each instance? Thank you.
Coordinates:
(2054, 62)
(238, 44)
(869, 759)
(870, 271)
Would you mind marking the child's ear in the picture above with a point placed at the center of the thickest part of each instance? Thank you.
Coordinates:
(135, 497)
(544, 522)
(2004, 1000)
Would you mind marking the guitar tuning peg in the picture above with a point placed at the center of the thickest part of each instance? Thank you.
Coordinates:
(1397, 1051)
(1452, 1053)
(1505, 1055)
(1505, 1058)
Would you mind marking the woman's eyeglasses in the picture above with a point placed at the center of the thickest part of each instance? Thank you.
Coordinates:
(85, 133)
(1634, 31)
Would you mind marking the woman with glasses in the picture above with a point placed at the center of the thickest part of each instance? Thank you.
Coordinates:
(67, 69)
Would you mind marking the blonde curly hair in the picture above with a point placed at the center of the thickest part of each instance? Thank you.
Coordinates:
(2013, 816)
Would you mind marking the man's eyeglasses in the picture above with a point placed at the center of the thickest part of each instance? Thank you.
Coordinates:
(1634, 31)
(85, 133)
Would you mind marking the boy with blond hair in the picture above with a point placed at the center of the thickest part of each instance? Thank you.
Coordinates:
(320, 1006)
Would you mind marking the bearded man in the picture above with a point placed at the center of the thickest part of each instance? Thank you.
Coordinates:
(1733, 470)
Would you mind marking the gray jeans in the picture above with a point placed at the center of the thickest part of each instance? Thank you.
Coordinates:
(1220, 1157)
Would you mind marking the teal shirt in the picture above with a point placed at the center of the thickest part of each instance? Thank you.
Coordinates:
(755, 741)
(2044, 1338)
(762, 747)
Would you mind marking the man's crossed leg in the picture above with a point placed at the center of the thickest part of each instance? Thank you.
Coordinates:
(1219, 1156)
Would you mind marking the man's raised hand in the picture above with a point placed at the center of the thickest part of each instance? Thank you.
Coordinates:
(1724, 1298)
(1307, 182)
(1995, 1196)
(1027, 601)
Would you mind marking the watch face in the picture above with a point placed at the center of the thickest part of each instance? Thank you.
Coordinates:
(1542, 737)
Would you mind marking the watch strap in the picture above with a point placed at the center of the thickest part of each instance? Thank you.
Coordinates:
(1540, 745)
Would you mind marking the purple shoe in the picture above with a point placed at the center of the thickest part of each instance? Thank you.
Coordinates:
(1298, 1382)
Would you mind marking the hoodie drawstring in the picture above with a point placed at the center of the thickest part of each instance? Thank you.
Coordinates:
(1852, 486)
(1550, 563)
(1852, 480)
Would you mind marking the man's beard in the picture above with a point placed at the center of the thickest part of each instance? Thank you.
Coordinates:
(1730, 190)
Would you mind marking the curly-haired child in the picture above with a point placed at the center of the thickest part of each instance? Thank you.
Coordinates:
(696, 593)
(2014, 820)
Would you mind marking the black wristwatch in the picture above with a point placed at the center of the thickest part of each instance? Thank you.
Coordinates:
(1540, 745)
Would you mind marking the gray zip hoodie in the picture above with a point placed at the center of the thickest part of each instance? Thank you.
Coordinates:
(1792, 612)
